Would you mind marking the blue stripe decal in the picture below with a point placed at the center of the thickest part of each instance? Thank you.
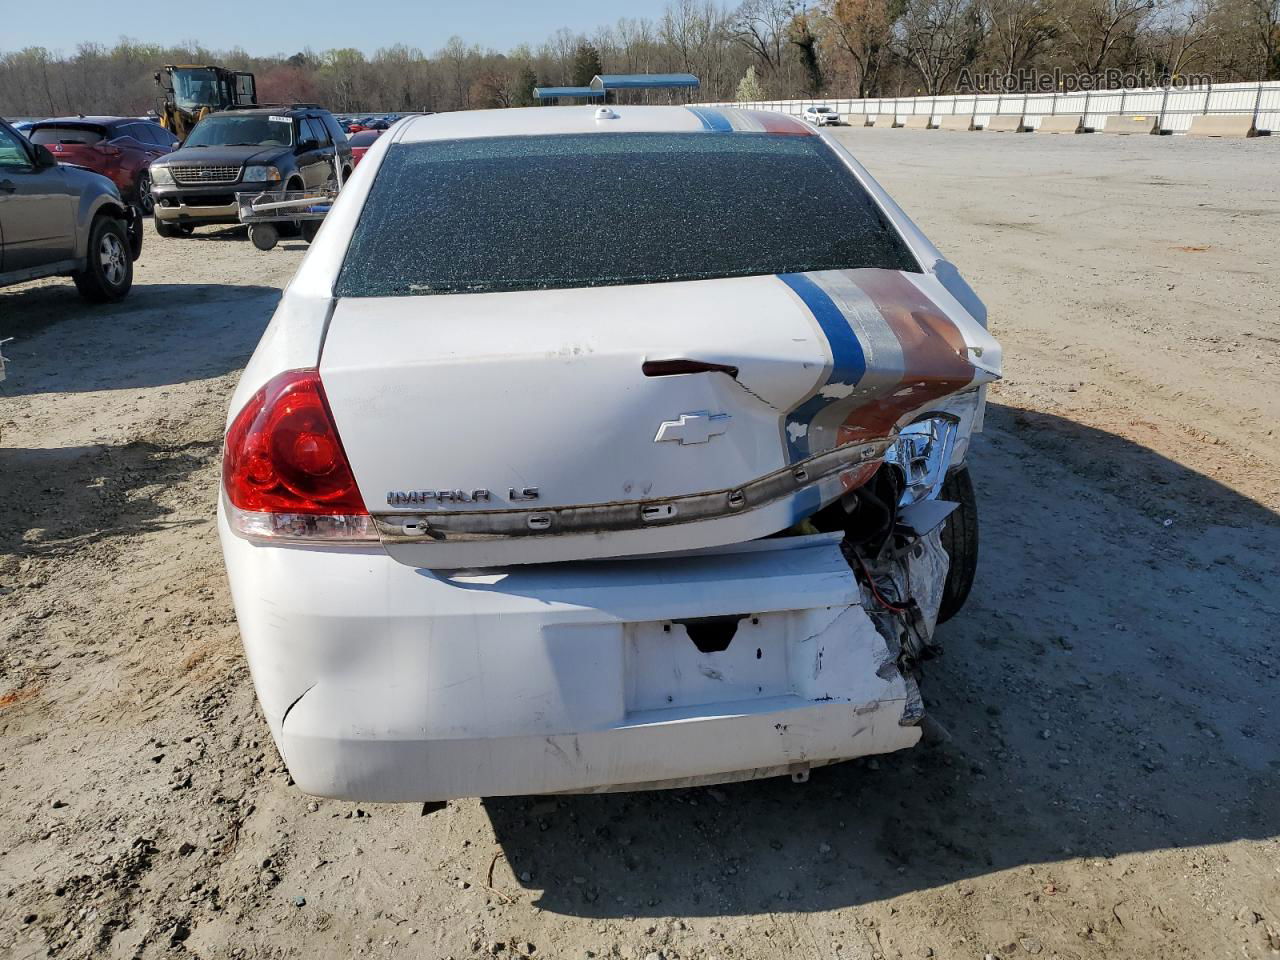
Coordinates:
(805, 504)
(712, 119)
(848, 361)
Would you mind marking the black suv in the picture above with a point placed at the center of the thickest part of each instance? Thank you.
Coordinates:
(251, 150)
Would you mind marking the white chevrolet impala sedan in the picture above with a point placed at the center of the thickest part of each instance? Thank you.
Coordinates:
(602, 448)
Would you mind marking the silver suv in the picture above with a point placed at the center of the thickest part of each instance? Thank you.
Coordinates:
(61, 220)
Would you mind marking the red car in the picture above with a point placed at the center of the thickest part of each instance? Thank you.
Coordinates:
(360, 144)
(119, 148)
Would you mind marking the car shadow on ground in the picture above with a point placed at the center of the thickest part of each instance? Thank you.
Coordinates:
(65, 498)
(162, 333)
(1109, 688)
(218, 233)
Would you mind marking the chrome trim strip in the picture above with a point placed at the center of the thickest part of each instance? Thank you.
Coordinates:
(443, 526)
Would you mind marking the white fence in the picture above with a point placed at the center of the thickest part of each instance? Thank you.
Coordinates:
(1172, 107)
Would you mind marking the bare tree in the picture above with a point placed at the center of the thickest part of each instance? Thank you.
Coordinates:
(562, 46)
(1180, 39)
(1264, 24)
(1093, 29)
(859, 30)
(1017, 31)
(695, 33)
(935, 38)
(455, 57)
(761, 27)
(636, 45)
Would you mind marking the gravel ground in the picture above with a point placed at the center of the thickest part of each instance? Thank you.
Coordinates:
(1111, 789)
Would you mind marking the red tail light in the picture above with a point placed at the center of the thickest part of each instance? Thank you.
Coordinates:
(284, 471)
(106, 149)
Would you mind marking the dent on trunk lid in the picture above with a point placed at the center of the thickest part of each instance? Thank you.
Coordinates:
(895, 351)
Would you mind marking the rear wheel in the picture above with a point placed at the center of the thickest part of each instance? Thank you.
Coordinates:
(960, 540)
(135, 231)
(145, 202)
(108, 275)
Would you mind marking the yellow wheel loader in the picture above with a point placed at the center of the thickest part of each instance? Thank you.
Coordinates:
(192, 92)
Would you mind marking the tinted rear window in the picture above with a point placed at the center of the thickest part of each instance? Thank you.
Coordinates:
(67, 134)
(528, 213)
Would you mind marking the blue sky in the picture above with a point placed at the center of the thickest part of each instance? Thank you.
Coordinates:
(321, 24)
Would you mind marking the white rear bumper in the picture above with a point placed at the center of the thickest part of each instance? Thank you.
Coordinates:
(382, 682)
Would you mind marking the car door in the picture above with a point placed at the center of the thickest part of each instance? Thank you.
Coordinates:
(165, 141)
(37, 215)
(317, 162)
(339, 137)
(137, 147)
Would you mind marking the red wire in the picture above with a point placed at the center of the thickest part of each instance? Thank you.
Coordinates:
(875, 592)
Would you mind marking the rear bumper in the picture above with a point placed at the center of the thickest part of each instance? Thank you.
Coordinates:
(382, 682)
(648, 751)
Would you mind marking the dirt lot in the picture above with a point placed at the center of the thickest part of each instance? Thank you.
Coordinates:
(1112, 788)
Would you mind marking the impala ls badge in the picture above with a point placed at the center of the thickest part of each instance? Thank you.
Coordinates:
(422, 498)
(419, 498)
(693, 427)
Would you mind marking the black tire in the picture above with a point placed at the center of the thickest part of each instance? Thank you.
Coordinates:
(108, 275)
(960, 540)
(309, 230)
(135, 237)
(166, 229)
(264, 236)
(143, 199)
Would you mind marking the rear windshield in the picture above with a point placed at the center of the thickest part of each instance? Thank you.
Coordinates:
(254, 130)
(530, 213)
(67, 134)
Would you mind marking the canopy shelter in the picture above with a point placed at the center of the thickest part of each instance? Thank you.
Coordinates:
(636, 85)
(609, 87)
(567, 93)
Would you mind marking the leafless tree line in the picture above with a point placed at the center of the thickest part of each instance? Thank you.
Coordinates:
(757, 49)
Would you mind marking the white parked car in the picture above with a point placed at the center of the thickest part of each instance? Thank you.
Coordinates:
(821, 116)
(599, 449)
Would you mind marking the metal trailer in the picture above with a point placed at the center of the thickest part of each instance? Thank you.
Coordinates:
(264, 212)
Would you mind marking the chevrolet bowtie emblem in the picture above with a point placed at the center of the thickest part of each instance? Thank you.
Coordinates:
(693, 427)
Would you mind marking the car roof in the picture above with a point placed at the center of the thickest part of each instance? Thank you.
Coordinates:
(278, 111)
(527, 121)
(90, 121)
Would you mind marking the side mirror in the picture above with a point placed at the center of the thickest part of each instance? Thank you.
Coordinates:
(44, 159)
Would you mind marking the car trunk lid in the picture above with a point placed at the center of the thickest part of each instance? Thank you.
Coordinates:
(497, 428)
